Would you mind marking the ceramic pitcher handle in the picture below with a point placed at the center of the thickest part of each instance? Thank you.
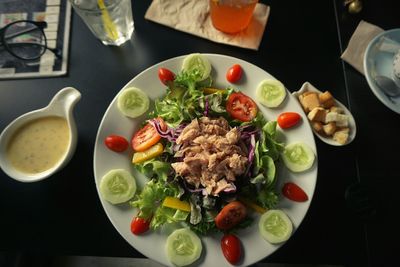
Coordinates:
(66, 97)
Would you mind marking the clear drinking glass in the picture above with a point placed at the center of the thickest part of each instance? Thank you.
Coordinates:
(110, 21)
(231, 16)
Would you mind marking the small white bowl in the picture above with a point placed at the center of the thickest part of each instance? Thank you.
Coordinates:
(352, 124)
(61, 105)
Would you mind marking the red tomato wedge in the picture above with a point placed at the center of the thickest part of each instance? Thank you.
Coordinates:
(165, 75)
(147, 137)
(139, 225)
(234, 73)
(116, 143)
(230, 215)
(288, 119)
(241, 107)
(294, 192)
(231, 248)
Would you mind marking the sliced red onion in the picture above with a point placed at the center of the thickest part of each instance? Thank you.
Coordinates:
(176, 147)
(246, 135)
(252, 149)
(231, 188)
(247, 130)
(196, 190)
(246, 127)
(204, 192)
(206, 107)
(171, 134)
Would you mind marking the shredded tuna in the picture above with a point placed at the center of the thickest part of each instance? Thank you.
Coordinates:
(213, 155)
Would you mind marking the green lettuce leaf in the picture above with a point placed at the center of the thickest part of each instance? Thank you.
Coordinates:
(267, 198)
(154, 169)
(183, 100)
(195, 209)
(150, 199)
(270, 128)
(266, 171)
(164, 215)
(169, 110)
(269, 146)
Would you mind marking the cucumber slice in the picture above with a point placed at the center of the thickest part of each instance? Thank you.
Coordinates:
(275, 226)
(133, 102)
(298, 157)
(117, 186)
(197, 62)
(183, 247)
(271, 93)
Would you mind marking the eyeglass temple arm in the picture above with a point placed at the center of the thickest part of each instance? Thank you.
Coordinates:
(19, 33)
(57, 52)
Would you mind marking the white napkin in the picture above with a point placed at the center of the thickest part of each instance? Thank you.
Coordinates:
(192, 16)
(354, 53)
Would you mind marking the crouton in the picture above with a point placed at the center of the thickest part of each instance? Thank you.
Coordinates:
(331, 116)
(317, 114)
(307, 93)
(317, 126)
(343, 129)
(329, 128)
(336, 109)
(325, 96)
(310, 101)
(328, 104)
(342, 120)
(341, 137)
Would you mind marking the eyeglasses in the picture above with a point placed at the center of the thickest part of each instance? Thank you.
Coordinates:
(25, 39)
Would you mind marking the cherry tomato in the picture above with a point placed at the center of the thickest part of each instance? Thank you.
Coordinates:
(294, 192)
(234, 73)
(288, 119)
(139, 225)
(231, 248)
(230, 215)
(241, 107)
(166, 75)
(146, 137)
(116, 143)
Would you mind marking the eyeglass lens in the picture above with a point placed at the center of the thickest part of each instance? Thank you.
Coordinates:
(25, 40)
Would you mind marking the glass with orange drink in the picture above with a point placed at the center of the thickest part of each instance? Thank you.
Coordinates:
(231, 16)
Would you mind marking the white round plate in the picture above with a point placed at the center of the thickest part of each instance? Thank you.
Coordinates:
(378, 61)
(152, 244)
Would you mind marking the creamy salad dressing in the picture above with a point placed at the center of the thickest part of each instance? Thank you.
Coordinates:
(39, 145)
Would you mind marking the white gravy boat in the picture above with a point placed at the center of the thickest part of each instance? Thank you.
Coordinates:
(61, 105)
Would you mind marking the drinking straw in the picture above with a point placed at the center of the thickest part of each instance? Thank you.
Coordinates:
(109, 25)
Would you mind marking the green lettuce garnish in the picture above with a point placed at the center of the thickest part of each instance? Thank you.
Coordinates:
(183, 100)
(154, 168)
(150, 199)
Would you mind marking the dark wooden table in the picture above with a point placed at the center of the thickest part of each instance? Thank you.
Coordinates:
(303, 41)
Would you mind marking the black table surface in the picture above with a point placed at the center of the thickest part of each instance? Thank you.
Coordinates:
(302, 42)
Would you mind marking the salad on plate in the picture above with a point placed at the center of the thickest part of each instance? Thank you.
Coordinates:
(211, 161)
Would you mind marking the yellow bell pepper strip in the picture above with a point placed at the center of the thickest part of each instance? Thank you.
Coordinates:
(253, 205)
(150, 153)
(210, 90)
(175, 203)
